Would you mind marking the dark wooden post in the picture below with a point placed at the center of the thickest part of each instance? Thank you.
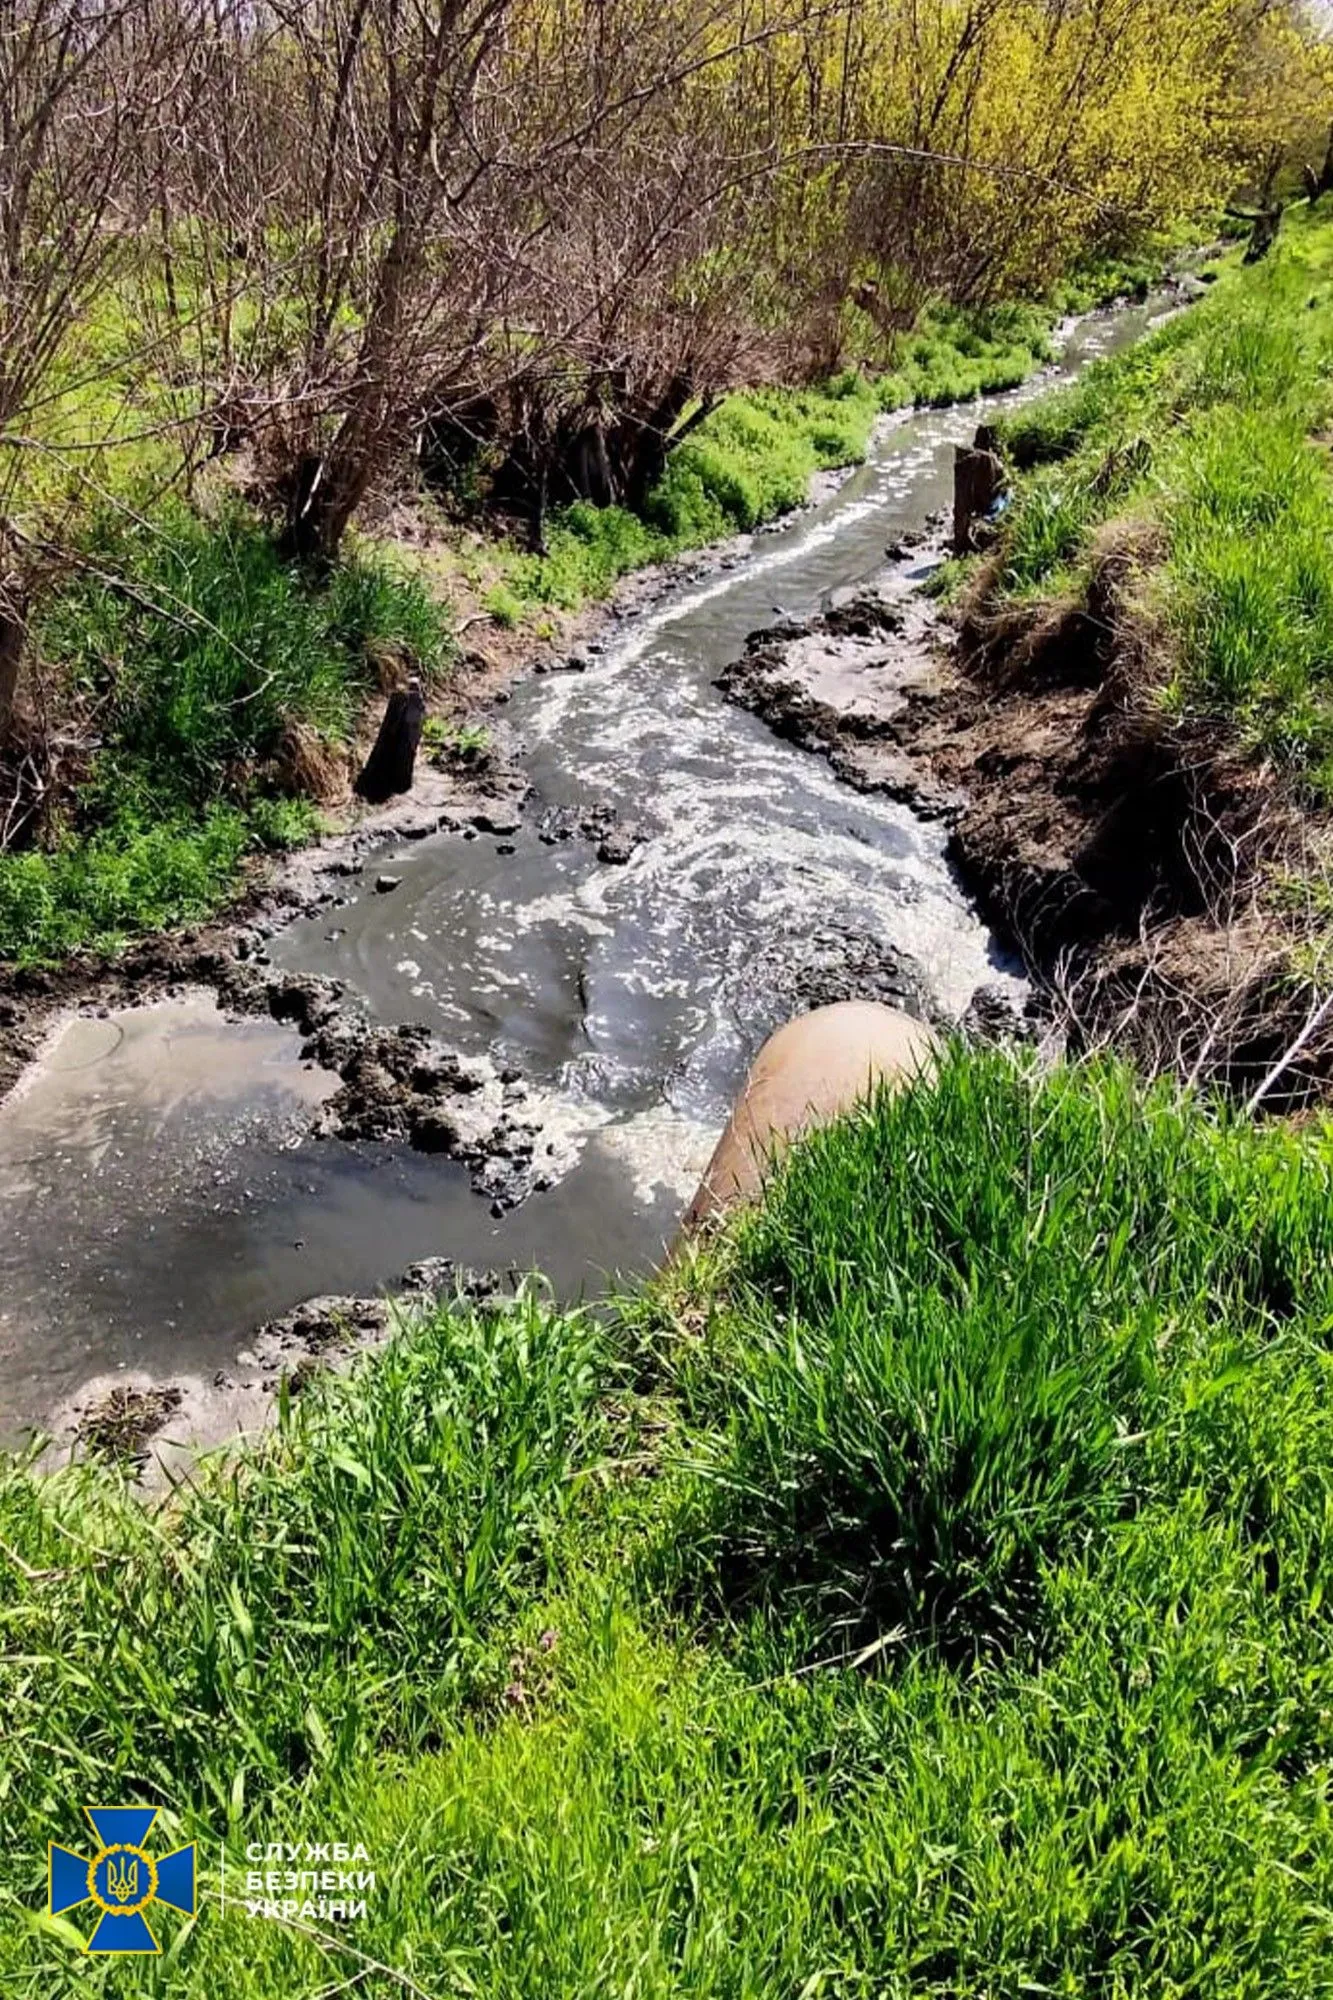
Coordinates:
(978, 480)
(388, 769)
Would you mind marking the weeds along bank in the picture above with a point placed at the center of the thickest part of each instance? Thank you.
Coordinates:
(928, 1592)
(1147, 653)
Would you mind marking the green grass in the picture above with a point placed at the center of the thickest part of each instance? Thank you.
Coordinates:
(128, 876)
(1214, 431)
(927, 1595)
(190, 651)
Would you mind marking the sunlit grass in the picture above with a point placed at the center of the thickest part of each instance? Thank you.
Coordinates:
(1215, 428)
(192, 650)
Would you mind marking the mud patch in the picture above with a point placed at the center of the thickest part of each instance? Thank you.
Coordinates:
(120, 1425)
(795, 972)
(838, 683)
(156, 1428)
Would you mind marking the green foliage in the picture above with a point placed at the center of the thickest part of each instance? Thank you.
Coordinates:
(588, 548)
(125, 877)
(504, 606)
(1048, 530)
(955, 354)
(204, 647)
(929, 1595)
(133, 875)
(1101, 281)
(752, 459)
(1214, 428)
(989, 1299)
(197, 650)
(1252, 526)
(451, 739)
(333, 1592)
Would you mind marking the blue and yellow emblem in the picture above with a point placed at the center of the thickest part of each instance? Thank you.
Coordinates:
(122, 1878)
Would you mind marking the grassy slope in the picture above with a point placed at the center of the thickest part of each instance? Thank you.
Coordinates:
(1213, 436)
(1018, 1388)
(188, 653)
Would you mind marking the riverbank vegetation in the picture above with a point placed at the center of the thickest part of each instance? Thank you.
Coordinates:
(1206, 443)
(923, 1591)
(602, 285)
(203, 690)
(1147, 640)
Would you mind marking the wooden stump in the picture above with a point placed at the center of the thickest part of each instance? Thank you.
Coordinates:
(978, 480)
(388, 769)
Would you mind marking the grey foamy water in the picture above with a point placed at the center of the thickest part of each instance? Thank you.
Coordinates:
(160, 1198)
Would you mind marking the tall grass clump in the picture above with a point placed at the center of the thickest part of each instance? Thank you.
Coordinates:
(200, 646)
(340, 1588)
(1215, 430)
(191, 651)
(956, 1339)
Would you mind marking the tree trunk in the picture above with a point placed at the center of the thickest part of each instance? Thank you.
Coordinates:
(537, 523)
(324, 496)
(658, 434)
(1319, 184)
(13, 638)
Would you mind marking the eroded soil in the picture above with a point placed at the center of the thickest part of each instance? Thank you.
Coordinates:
(1137, 866)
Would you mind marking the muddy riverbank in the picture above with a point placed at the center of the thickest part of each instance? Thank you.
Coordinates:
(1129, 862)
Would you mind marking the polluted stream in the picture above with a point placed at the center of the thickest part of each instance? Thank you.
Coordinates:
(163, 1193)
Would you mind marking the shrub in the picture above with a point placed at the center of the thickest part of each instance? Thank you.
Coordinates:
(979, 1327)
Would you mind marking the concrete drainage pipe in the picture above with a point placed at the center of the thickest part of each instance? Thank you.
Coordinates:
(810, 1070)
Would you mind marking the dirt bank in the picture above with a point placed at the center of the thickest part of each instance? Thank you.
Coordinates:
(155, 1428)
(1143, 870)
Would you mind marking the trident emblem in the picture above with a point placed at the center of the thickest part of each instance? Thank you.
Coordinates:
(122, 1879)
(122, 1882)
